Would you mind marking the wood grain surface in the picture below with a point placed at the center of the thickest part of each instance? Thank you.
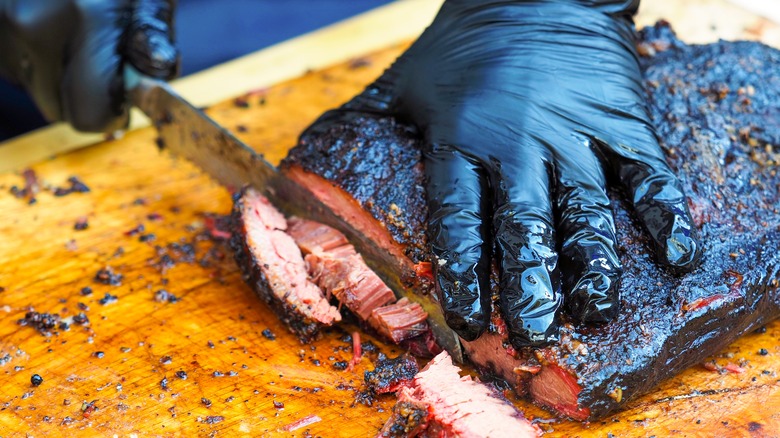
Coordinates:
(216, 328)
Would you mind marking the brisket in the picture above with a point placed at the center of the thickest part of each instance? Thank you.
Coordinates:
(273, 265)
(717, 111)
(399, 321)
(269, 249)
(340, 271)
(456, 407)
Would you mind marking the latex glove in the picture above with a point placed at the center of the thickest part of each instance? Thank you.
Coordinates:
(69, 54)
(523, 106)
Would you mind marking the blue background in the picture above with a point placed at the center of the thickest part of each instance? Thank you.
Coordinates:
(210, 32)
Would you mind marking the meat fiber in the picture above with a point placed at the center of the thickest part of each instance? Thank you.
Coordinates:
(717, 111)
(438, 402)
(273, 265)
(270, 250)
(400, 321)
(340, 271)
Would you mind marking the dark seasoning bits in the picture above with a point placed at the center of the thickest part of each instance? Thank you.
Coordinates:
(109, 277)
(36, 380)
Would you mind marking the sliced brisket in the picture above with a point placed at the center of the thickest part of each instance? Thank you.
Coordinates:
(456, 407)
(273, 265)
(717, 111)
(340, 271)
(269, 250)
(400, 321)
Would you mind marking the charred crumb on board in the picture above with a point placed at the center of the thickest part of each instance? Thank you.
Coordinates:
(138, 229)
(109, 277)
(389, 374)
(241, 102)
(108, 299)
(44, 323)
(163, 296)
(268, 334)
(213, 419)
(76, 186)
(81, 224)
(88, 408)
(358, 63)
(31, 187)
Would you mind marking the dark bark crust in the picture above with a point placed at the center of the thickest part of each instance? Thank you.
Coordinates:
(378, 163)
(717, 111)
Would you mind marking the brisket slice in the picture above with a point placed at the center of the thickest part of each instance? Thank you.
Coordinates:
(269, 248)
(717, 111)
(400, 321)
(273, 265)
(339, 270)
(456, 407)
(336, 267)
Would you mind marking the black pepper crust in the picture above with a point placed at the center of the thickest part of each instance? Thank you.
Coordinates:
(716, 108)
(377, 161)
(717, 112)
(251, 268)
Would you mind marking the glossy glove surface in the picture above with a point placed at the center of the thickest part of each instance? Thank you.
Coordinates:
(525, 108)
(68, 54)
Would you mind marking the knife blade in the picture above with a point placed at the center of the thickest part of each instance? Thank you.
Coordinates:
(188, 132)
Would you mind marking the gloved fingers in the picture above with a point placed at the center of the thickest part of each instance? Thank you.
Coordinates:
(457, 192)
(149, 39)
(590, 265)
(658, 198)
(525, 244)
(92, 91)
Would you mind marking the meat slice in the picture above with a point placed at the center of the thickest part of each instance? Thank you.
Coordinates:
(400, 321)
(340, 271)
(717, 112)
(456, 406)
(273, 265)
(336, 267)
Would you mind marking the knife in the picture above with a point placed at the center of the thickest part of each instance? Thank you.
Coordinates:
(189, 132)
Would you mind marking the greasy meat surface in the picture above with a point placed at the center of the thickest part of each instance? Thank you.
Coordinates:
(457, 406)
(717, 111)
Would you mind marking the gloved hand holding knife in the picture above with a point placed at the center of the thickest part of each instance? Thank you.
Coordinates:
(69, 54)
(526, 107)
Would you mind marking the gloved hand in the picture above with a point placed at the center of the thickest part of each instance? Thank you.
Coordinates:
(68, 54)
(523, 104)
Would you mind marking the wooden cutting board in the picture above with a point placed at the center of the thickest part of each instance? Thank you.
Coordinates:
(239, 381)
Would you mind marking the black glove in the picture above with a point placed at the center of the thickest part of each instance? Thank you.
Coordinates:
(523, 104)
(68, 54)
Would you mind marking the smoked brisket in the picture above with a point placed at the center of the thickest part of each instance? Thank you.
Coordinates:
(438, 402)
(717, 111)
